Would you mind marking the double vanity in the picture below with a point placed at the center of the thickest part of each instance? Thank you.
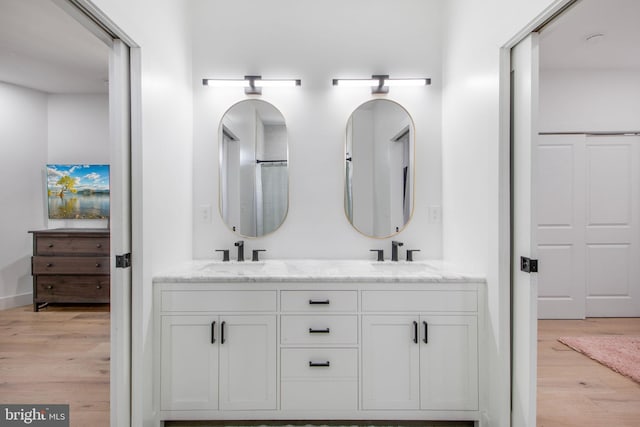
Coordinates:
(317, 340)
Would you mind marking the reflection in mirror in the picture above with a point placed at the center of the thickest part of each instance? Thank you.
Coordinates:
(254, 177)
(378, 195)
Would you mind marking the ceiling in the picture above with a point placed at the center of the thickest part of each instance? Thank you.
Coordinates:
(43, 48)
(564, 44)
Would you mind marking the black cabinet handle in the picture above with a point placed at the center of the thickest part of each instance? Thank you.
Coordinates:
(222, 340)
(319, 331)
(49, 265)
(319, 364)
(50, 245)
(49, 286)
(99, 245)
(97, 265)
(319, 302)
(98, 286)
(415, 332)
(426, 332)
(213, 332)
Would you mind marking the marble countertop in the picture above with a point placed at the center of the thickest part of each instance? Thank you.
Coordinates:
(298, 270)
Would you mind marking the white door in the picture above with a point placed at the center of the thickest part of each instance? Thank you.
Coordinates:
(120, 225)
(248, 362)
(524, 110)
(189, 363)
(450, 341)
(390, 362)
(612, 230)
(560, 192)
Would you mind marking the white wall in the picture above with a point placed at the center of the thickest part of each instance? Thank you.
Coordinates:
(23, 154)
(317, 41)
(589, 100)
(78, 132)
(474, 32)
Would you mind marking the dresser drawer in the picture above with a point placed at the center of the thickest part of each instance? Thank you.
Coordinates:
(217, 301)
(314, 330)
(319, 363)
(70, 265)
(51, 245)
(319, 387)
(319, 301)
(73, 289)
(420, 301)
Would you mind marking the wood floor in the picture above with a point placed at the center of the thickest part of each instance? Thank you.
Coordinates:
(61, 355)
(574, 390)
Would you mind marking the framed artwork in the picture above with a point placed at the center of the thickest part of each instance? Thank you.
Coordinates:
(78, 191)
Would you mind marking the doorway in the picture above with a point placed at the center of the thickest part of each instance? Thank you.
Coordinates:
(84, 53)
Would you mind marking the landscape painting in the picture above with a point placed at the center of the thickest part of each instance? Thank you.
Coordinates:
(78, 191)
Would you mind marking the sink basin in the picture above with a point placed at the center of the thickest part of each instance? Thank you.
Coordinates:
(234, 267)
(400, 267)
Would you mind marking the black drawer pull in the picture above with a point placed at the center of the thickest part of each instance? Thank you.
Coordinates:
(319, 364)
(50, 245)
(98, 286)
(49, 286)
(99, 245)
(97, 265)
(426, 332)
(222, 339)
(415, 332)
(319, 302)
(319, 331)
(49, 265)
(213, 332)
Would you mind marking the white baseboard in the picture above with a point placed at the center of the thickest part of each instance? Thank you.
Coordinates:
(16, 301)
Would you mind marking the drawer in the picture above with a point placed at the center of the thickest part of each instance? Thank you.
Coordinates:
(218, 301)
(70, 265)
(51, 245)
(319, 301)
(327, 363)
(332, 387)
(319, 329)
(73, 289)
(420, 301)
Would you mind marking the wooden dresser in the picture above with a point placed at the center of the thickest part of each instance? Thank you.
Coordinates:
(70, 265)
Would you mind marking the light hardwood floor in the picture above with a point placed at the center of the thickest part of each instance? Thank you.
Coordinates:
(574, 390)
(61, 355)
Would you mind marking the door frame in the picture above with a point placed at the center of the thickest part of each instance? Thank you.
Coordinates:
(506, 251)
(123, 318)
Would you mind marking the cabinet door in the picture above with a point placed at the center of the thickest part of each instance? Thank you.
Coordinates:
(448, 362)
(390, 362)
(189, 363)
(248, 362)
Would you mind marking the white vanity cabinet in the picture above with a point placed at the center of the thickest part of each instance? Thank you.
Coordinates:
(223, 360)
(316, 348)
(426, 360)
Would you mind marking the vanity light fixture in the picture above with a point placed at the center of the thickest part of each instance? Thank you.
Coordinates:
(252, 84)
(380, 83)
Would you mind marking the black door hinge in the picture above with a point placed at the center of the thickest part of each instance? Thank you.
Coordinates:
(123, 261)
(528, 265)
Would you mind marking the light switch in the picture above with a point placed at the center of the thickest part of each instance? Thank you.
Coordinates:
(204, 213)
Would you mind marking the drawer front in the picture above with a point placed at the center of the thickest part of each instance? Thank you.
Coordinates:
(337, 395)
(51, 245)
(70, 265)
(320, 363)
(319, 301)
(218, 301)
(73, 289)
(432, 301)
(319, 329)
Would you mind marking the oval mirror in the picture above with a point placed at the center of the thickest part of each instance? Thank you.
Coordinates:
(254, 177)
(379, 159)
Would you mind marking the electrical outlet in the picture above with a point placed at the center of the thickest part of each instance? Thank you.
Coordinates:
(435, 214)
(204, 213)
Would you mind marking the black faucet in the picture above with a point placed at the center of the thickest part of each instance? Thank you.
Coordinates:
(240, 245)
(394, 249)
